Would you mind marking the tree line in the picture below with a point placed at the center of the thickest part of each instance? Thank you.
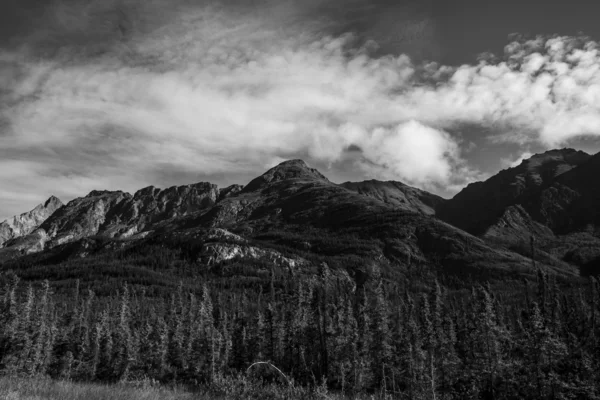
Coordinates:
(427, 342)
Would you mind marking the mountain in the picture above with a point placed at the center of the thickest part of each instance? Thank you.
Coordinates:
(291, 216)
(551, 197)
(398, 194)
(25, 223)
(119, 215)
(480, 204)
(570, 202)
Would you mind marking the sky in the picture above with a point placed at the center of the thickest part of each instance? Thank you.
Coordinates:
(123, 94)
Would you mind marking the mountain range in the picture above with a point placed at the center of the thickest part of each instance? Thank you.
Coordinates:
(294, 217)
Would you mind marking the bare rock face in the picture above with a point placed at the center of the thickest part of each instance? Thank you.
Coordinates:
(26, 223)
(151, 205)
(230, 191)
(32, 243)
(219, 234)
(214, 253)
(82, 217)
(516, 225)
(117, 214)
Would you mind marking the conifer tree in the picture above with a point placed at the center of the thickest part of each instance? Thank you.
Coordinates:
(125, 355)
(364, 373)
(381, 336)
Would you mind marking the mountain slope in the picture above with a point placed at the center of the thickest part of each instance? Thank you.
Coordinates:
(480, 204)
(398, 194)
(570, 203)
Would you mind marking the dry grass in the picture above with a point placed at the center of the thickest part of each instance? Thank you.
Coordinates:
(17, 388)
(12, 388)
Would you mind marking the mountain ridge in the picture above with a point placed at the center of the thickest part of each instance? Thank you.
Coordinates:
(290, 205)
(479, 204)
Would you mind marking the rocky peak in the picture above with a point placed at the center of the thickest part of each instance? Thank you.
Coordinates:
(287, 170)
(543, 167)
(26, 223)
(53, 202)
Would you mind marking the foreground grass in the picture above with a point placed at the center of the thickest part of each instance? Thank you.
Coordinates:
(17, 388)
(12, 388)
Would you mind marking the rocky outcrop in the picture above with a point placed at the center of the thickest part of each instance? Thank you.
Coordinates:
(214, 253)
(229, 191)
(398, 195)
(27, 244)
(219, 234)
(516, 225)
(26, 223)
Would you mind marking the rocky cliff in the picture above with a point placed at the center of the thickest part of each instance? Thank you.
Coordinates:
(118, 214)
(26, 223)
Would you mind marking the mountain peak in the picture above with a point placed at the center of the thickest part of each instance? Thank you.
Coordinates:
(53, 202)
(567, 155)
(23, 224)
(287, 170)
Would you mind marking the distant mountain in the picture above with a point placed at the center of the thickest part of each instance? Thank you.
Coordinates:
(553, 197)
(571, 202)
(25, 223)
(478, 206)
(292, 216)
(119, 215)
(398, 194)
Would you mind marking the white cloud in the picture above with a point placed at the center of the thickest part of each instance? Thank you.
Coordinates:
(420, 154)
(214, 91)
(511, 163)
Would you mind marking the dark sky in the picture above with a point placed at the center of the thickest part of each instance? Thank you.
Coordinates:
(469, 27)
(461, 29)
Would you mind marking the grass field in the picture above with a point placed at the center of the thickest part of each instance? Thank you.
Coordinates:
(17, 388)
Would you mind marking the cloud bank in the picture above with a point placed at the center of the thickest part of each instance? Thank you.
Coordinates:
(129, 93)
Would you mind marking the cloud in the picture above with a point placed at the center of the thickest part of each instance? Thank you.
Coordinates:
(511, 163)
(199, 90)
(420, 154)
(545, 90)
